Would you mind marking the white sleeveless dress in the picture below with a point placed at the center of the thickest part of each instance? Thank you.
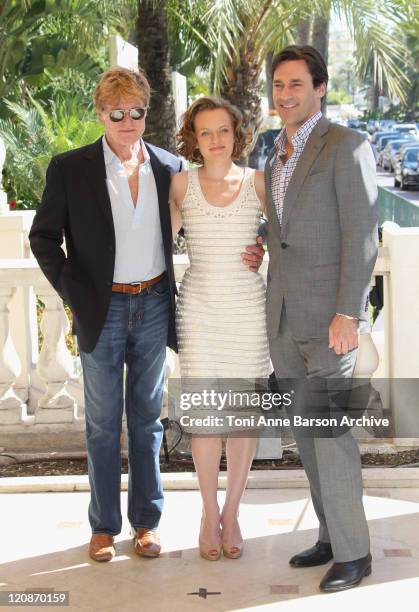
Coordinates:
(220, 312)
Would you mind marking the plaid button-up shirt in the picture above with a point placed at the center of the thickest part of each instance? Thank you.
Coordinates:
(282, 173)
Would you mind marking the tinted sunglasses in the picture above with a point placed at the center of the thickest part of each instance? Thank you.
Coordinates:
(118, 114)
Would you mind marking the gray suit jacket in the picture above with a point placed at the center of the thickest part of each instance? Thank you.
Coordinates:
(323, 254)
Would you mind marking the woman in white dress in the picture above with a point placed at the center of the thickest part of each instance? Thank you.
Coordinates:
(220, 313)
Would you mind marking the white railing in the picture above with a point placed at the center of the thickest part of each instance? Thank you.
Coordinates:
(54, 365)
(43, 391)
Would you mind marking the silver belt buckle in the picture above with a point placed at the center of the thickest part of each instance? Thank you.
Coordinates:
(136, 285)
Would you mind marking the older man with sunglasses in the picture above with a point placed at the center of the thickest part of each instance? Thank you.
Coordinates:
(109, 199)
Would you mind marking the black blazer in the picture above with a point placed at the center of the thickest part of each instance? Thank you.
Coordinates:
(76, 204)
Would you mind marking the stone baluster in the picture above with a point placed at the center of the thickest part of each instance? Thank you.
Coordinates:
(12, 409)
(367, 358)
(55, 364)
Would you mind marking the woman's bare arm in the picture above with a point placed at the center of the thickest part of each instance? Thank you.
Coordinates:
(178, 188)
(260, 189)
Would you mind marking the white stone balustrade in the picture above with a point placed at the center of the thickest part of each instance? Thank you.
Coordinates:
(55, 364)
(52, 402)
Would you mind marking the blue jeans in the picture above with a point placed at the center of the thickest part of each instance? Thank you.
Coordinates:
(135, 334)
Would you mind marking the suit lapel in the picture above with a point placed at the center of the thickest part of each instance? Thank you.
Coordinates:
(162, 178)
(314, 145)
(96, 178)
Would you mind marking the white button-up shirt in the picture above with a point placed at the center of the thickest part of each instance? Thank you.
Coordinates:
(139, 252)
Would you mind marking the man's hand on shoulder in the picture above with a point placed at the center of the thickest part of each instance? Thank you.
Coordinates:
(253, 256)
(343, 334)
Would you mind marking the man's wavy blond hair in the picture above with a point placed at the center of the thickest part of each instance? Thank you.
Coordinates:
(117, 83)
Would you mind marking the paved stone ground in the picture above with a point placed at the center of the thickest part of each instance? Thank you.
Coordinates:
(44, 535)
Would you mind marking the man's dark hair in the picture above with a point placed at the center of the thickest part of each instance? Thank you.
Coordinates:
(314, 60)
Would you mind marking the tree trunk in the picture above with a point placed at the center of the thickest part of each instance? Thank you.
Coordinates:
(376, 98)
(320, 36)
(320, 41)
(303, 32)
(153, 52)
(268, 78)
(242, 88)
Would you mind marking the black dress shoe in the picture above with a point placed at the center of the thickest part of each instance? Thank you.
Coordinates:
(343, 576)
(319, 554)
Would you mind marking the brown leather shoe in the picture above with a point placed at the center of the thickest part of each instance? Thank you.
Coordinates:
(101, 547)
(147, 543)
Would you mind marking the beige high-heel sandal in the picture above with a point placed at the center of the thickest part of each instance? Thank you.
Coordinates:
(210, 554)
(233, 551)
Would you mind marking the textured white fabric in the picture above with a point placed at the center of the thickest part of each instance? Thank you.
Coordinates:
(139, 253)
(220, 319)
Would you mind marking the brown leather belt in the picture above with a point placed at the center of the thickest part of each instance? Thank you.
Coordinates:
(134, 288)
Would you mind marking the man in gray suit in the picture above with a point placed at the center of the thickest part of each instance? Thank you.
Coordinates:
(322, 240)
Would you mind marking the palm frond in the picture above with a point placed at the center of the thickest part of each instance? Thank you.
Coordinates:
(378, 50)
(224, 27)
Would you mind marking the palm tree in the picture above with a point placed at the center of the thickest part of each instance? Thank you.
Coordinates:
(413, 94)
(153, 49)
(320, 35)
(268, 79)
(187, 35)
(379, 48)
(242, 32)
(320, 41)
(374, 25)
(303, 31)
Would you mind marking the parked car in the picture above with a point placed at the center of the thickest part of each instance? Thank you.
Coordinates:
(409, 144)
(406, 128)
(372, 125)
(390, 149)
(386, 124)
(264, 144)
(398, 151)
(407, 171)
(378, 135)
(384, 140)
(374, 139)
(269, 138)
